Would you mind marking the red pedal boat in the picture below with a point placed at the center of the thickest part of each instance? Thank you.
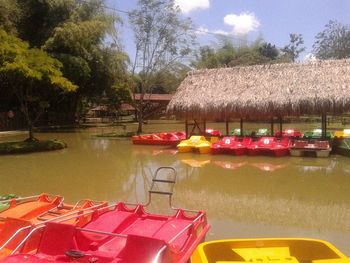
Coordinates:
(212, 132)
(121, 233)
(290, 133)
(165, 138)
(269, 145)
(231, 145)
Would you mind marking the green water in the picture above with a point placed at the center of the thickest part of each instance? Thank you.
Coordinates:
(243, 196)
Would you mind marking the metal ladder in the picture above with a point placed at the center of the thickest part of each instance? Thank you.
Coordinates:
(156, 180)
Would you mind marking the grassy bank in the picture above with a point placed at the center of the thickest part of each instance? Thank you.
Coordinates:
(31, 146)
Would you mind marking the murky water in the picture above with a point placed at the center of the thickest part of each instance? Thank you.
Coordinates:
(243, 196)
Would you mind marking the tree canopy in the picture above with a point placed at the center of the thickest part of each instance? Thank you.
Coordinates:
(29, 74)
(228, 54)
(333, 42)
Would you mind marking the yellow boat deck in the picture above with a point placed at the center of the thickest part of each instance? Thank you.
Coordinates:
(268, 251)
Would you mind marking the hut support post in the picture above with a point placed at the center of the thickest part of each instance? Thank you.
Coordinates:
(281, 122)
(272, 127)
(227, 128)
(324, 125)
(186, 128)
(241, 126)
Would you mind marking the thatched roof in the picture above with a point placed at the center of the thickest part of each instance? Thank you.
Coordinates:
(265, 90)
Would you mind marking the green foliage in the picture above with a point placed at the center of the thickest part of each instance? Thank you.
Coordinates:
(31, 146)
(227, 54)
(40, 18)
(333, 42)
(269, 51)
(10, 14)
(74, 33)
(29, 74)
(295, 46)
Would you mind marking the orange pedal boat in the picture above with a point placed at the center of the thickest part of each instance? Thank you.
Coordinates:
(17, 223)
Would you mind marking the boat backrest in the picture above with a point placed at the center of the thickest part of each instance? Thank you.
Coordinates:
(11, 225)
(285, 141)
(143, 250)
(112, 222)
(247, 140)
(57, 239)
(171, 228)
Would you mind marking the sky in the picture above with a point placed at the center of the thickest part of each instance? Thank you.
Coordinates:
(273, 20)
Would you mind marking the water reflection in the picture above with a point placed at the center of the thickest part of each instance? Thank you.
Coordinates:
(268, 167)
(164, 151)
(229, 164)
(195, 163)
(315, 165)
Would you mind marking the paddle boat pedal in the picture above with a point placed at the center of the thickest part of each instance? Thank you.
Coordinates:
(123, 233)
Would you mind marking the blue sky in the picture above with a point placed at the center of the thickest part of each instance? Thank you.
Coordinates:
(273, 20)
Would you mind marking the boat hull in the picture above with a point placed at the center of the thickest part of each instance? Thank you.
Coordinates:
(123, 234)
(292, 250)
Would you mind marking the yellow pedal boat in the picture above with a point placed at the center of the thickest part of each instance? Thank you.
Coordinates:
(194, 143)
(342, 134)
(268, 250)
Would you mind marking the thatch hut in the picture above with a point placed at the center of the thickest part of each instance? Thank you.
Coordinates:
(264, 91)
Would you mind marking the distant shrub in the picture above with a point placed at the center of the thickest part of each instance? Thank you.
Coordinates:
(31, 146)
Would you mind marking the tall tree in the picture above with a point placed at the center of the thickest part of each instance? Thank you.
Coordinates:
(295, 46)
(333, 42)
(29, 74)
(79, 44)
(162, 37)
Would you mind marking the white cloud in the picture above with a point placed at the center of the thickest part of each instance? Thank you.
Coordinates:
(243, 23)
(187, 6)
(203, 31)
(310, 57)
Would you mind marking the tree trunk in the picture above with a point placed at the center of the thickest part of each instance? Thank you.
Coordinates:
(30, 132)
(140, 121)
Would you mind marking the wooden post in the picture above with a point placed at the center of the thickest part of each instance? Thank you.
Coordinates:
(272, 126)
(241, 126)
(205, 126)
(227, 128)
(281, 121)
(324, 125)
(186, 128)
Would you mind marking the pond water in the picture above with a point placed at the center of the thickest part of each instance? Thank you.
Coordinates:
(243, 196)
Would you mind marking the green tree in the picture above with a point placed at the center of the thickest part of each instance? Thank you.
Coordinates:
(227, 54)
(79, 44)
(29, 74)
(10, 15)
(162, 37)
(333, 42)
(295, 46)
(74, 32)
